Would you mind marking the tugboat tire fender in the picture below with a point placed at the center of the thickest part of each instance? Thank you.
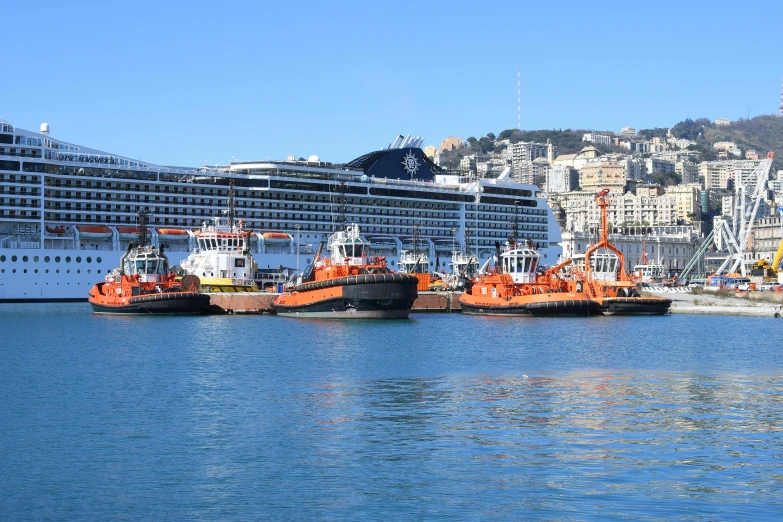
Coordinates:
(359, 280)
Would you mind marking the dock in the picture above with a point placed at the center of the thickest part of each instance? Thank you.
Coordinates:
(259, 303)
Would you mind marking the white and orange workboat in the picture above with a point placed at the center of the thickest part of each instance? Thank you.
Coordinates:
(222, 260)
(514, 287)
(349, 284)
(143, 284)
(601, 273)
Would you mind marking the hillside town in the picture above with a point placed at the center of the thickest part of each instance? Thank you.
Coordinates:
(664, 197)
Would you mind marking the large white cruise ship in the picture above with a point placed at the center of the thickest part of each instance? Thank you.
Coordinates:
(68, 212)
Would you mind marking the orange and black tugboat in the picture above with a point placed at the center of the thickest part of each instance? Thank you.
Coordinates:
(602, 275)
(143, 284)
(515, 287)
(349, 284)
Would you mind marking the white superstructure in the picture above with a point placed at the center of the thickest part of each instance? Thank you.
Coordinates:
(66, 210)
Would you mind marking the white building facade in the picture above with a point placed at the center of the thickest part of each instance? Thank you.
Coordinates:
(670, 246)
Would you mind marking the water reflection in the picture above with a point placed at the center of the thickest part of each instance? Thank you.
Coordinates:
(438, 417)
(592, 434)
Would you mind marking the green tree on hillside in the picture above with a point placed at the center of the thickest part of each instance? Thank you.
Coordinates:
(689, 129)
(647, 134)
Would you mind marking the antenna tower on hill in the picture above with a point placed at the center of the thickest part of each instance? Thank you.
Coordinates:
(519, 99)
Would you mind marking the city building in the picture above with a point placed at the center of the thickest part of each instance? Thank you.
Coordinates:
(751, 154)
(649, 190)
(776, 187)
(686, 199)
(534, 172)
(657, 165)
(523, 153)
(600, 173)
(671, 246)
(451, 143)
(688, 171)
(722, 121)
(600, 139)
(627, 132)
(723, 145)
(577, 161)
(657, 145)
(561, 179)
(634, 169)
(677, 155)
(766, 238)
(582, 214)
(727, 205)
(430, 151)
(717, 174)
(490, 167)
(468, 164)
(528, 151)
(680, 143)
(640, 147)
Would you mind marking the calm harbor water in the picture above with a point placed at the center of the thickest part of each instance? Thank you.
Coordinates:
(437, 417)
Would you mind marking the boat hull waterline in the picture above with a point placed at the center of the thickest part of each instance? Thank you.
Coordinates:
(554, 307)
(371, 296)
(168, 303)
(635, 306)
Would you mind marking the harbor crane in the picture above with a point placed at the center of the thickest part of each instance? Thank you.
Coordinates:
(732, 235)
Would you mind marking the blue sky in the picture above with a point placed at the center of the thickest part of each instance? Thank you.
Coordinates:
(188, 82)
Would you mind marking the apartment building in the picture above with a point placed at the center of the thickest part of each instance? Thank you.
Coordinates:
(582, 213)
(599, 139)
(686, 198)
(717, 174)
(451, 143)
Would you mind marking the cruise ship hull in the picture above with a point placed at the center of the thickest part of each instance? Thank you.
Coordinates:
(36, 275)
(59, 199)
(53, 275)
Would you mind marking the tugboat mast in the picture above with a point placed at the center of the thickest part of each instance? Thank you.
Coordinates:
(143, 227)
(231, 204)
(342, 219)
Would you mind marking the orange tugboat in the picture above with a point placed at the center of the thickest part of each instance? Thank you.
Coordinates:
(514, 288)
(143, 285)
(348, 284)
(602, 275)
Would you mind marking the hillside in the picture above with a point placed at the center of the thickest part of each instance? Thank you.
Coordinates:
(762, 133)
(568, 141)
